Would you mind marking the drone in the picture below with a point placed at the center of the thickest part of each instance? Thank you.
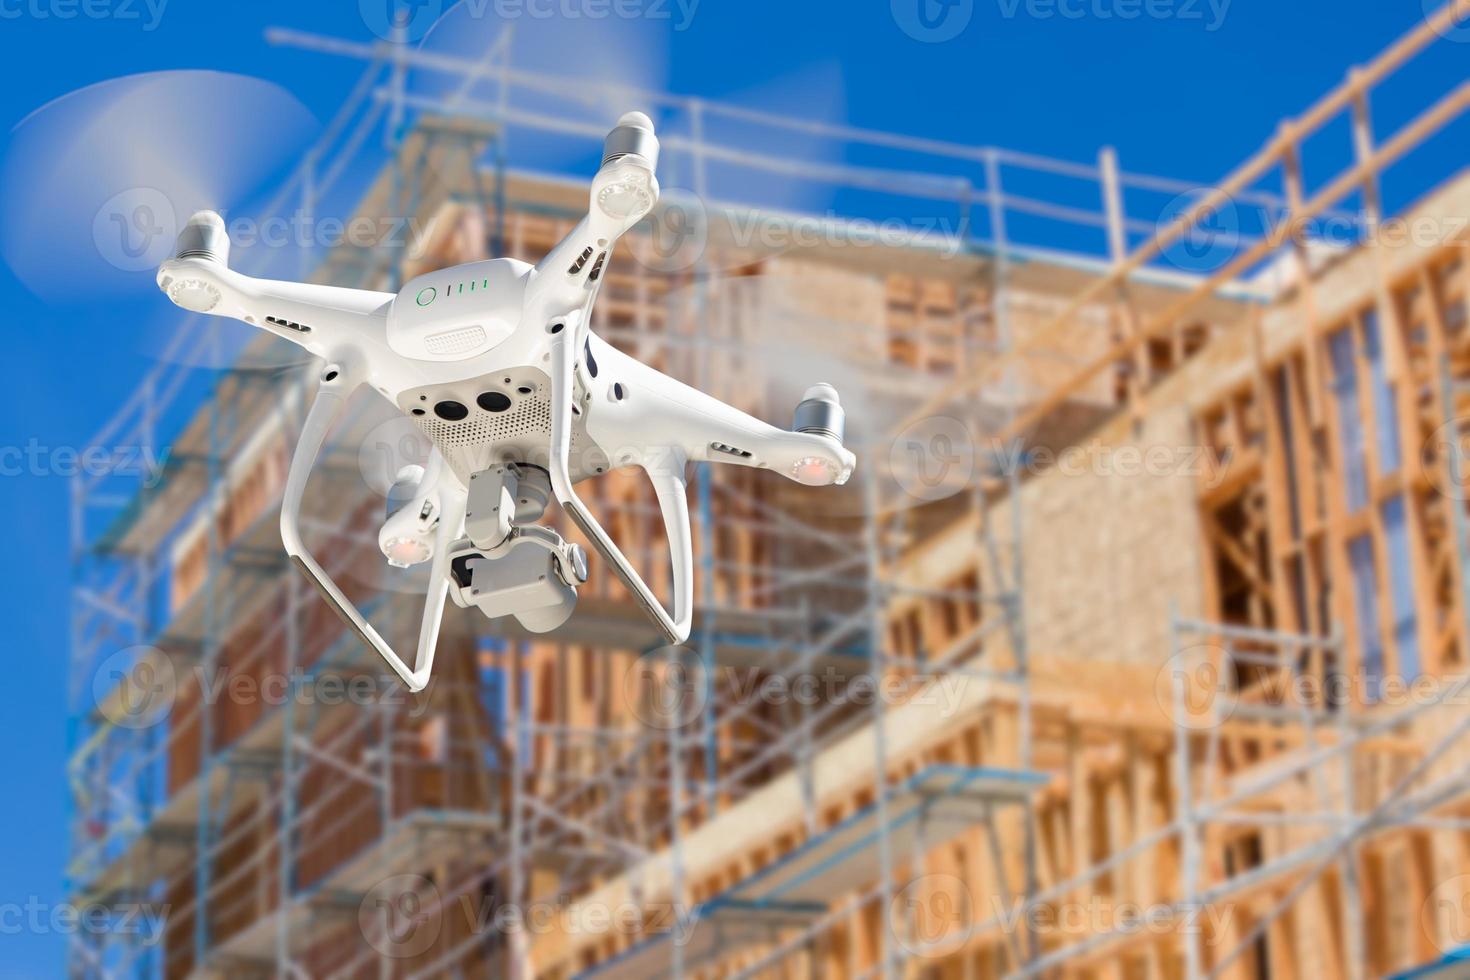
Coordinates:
(496, 362)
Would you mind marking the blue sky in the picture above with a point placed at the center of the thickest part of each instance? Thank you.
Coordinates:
(1185, 95)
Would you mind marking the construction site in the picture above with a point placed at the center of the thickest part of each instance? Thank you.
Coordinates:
(1136, 648)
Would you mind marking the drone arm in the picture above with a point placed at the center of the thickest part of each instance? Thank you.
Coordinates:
(306, 303)
(567, 253)
(330, 402)
(574, 265)
(668, 483)
(310, 315)
(623, 191)
(661, 411)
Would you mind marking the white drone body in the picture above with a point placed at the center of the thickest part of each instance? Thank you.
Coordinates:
(496, 361)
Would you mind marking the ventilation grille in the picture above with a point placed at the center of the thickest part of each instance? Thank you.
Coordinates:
(597, 267)
(288, 324)
(458, 341)
(529, 416)
(729, 450)
(581, 261)
(521, 433)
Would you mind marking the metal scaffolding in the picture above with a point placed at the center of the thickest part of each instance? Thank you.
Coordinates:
(272, 834)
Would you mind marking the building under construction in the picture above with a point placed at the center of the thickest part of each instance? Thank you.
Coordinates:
(1135, 648)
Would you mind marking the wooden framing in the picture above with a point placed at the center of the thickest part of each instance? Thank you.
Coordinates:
(1324, 406)
(1366, 476)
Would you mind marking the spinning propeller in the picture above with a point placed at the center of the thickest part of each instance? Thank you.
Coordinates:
(96, 185)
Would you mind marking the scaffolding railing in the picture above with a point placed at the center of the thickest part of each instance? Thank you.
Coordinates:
(671, 772)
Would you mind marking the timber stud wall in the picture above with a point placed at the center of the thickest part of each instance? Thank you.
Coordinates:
(1337, 511)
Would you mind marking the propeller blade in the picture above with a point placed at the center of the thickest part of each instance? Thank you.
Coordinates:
(97, 183)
